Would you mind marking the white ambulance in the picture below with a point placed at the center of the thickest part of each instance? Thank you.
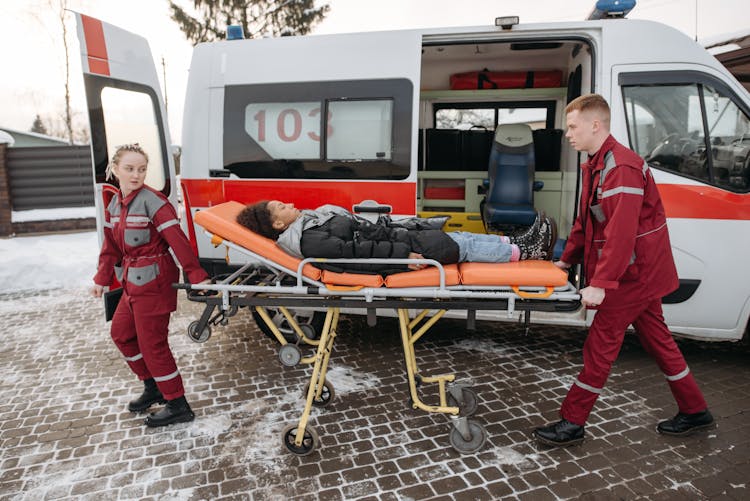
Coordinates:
(386, 119)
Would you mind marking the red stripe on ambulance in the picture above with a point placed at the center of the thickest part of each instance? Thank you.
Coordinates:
(703, 202)
(305, 195)
(96, 48)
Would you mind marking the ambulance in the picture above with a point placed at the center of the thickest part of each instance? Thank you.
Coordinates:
(403, 121)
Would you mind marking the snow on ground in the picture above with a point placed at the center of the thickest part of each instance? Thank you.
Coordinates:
(23, 216)
(43, 262)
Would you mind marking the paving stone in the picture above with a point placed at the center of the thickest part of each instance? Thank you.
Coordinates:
(55, 442)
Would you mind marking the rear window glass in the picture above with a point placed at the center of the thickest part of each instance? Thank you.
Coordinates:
(319, 130)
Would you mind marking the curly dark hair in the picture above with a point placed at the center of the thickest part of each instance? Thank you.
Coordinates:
(257, 218)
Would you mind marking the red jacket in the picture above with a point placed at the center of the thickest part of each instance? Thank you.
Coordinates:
(138, 232)
(621, 231)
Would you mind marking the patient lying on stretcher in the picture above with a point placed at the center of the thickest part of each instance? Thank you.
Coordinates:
(333, 232)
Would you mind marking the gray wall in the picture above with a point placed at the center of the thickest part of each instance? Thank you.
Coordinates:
(50, 177)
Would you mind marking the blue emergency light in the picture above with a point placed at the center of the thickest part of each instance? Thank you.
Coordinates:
(234, 32)
(605, 9)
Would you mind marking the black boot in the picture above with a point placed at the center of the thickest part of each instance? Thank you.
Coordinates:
(176, 411)
(539, 241)
(150, 396)
(685, 424)
(561, 433)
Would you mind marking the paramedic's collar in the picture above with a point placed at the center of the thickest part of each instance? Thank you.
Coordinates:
(596, 162)
(130, 197)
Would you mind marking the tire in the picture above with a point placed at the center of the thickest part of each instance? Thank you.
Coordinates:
(313, 320)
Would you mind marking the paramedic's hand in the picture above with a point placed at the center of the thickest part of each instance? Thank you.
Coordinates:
(592, 296)
(414, 255)
(205, 292)
(562, 265)
(97, 290)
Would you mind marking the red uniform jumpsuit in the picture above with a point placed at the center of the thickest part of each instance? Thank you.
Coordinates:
(621, 237)
(138, 232)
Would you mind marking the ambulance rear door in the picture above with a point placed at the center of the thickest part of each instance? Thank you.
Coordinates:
(125, 106)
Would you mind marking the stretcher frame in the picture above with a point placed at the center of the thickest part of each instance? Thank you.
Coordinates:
(263, 283)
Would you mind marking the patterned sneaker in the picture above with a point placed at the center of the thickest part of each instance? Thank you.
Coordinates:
(539, 242)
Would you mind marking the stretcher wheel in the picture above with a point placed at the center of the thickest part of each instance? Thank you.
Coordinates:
(326, 396)
(309, 441)
(198, 337)
(289, 355)
(469, 404)
(304, 318)
(478, 436)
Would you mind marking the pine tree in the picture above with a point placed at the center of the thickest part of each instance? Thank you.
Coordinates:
(258, 18)
(38, 126)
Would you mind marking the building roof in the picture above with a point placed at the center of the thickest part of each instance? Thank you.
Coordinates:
(733, 51)
(26, 138)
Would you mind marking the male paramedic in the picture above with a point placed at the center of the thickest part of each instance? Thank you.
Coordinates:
(621, 238)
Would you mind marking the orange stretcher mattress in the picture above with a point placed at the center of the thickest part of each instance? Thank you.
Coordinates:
(221, 221)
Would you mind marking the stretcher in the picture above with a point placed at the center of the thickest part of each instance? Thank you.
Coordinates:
(271, 279)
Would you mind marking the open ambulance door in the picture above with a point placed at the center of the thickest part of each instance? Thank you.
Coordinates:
(125, 106)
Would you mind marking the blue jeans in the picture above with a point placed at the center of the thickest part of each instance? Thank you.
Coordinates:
(480, 247)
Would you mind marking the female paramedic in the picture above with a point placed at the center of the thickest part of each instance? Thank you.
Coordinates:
(140, 227)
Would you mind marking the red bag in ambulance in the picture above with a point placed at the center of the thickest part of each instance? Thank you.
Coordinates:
(486, 79)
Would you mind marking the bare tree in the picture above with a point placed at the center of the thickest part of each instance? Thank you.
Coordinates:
(62, 8)
(258, 18)
(59, 8)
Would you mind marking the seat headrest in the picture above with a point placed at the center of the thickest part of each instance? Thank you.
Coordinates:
(513, 135)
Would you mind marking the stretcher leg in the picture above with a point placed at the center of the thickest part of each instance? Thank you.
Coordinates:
(457, 401)
(302, 439)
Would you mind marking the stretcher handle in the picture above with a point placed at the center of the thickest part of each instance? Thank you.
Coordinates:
(182, 286)
(533, 295)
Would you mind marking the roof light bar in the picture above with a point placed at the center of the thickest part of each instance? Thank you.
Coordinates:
(610, 9)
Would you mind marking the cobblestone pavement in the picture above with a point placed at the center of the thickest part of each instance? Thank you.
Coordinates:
(65, 433)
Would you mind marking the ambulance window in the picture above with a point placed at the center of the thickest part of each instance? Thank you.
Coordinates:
(285, 130)
(539, 115)
(729, 130)
(359, 130)
(319, 130)
(129, 117)
(674, 126)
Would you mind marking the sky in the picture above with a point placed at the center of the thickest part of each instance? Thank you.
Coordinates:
(33, 69)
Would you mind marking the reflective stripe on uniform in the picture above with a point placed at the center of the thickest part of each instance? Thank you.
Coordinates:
(114, 219)
(166, 225)
(588, 387)
(137, 219)
(108, 225)
(160, 379)
(678, 376)
(622, 189)
(134, 358)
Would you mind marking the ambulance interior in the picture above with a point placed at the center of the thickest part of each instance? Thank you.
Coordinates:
(457, 124)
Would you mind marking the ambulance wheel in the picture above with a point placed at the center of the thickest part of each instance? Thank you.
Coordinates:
(198, 337)
(469, 404)
(310, 440)
(474, 443)
(326, 396)
(311, 323)
(289, 355)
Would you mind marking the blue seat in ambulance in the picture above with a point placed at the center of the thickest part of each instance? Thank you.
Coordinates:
(509, 201)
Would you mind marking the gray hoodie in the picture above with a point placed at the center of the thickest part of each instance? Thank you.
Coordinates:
(290, 238)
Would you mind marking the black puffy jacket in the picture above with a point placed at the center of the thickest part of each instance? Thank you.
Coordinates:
(344, 237)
